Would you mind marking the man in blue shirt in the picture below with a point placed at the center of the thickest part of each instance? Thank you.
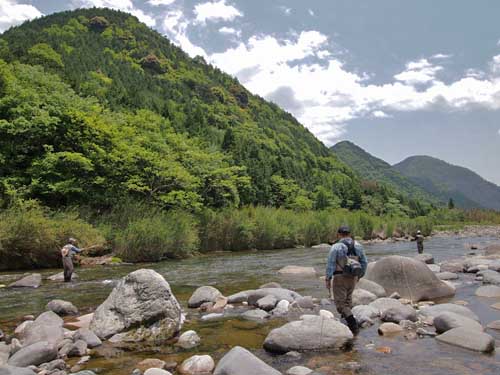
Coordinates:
(67, 253)
(343, 284)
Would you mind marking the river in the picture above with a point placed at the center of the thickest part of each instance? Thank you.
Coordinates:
(233, 272)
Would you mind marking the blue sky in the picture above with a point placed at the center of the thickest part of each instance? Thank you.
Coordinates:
(399, 78)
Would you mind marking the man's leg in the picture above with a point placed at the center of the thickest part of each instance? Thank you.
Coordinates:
(68, 269)
(345, 288)
(340, 295)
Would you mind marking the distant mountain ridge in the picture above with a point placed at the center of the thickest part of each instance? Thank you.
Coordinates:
(445, 181)
(423, 177)
(369, 167)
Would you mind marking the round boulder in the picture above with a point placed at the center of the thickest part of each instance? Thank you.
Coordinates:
(256, 314)
(397, 314)
(34, 354)
(411, 278)
(197, 365)
(425, 258)
(143, 304)
(389, 329)
(203, 294)
(468, 339)
(433, 311)
(239, 361)
(303, 335)
(31, 281)
(488, 291)
(88, 336)
(278, 293)
(61, 307)
(48, 326)
(188, 340)
(372, 287)
(267, 303)
(362, 297)
(449, 320)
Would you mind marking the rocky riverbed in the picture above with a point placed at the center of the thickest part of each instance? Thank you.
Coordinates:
(238, 314)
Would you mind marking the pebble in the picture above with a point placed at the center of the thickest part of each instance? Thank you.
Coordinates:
(294, 355)
(389, 329)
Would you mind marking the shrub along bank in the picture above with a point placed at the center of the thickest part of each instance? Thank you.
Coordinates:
(31, 236)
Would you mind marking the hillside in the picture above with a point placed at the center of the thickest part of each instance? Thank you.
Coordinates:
(444, 180)
(97, 107)
(368, 167)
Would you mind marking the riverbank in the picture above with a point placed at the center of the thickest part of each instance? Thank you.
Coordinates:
(230, 273)
(31, 236)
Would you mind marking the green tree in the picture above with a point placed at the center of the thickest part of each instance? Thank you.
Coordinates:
(451, 204)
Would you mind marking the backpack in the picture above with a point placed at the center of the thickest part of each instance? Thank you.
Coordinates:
(65, 250)
(350, 262)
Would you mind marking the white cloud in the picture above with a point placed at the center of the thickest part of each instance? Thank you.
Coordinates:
(311, 12)
(123, 5)
(441, 56)
(13, 13)
(498, 131)
(418, 72)
(230, 31)
(286, 10)
(380, 114)
(175, 27)
(215, 11)
(160, 2)
(326, 96)
(495, 64)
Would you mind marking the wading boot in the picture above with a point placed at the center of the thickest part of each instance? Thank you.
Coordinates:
(352, 324)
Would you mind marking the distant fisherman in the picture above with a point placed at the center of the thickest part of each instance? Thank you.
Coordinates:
(67, 253)
(420, 242)
(346, 264)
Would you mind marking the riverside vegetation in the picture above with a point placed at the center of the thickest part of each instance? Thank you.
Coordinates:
(111, 134)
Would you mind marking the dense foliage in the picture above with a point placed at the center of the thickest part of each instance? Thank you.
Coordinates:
(466, 188)
(96, 107)
(111, 134)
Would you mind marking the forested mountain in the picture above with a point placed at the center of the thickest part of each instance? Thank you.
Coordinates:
(466, 188)
(96, 107)
(371, 168)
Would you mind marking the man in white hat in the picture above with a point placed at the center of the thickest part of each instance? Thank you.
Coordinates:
(67, 253)
(420, 242)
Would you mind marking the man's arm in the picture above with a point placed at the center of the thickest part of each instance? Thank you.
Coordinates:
(330, 264)
(362, 257)
(75, 249)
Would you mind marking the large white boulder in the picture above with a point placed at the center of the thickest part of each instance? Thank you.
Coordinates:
(468, 339)
(143, 305)
(411, 278)
(313, 333)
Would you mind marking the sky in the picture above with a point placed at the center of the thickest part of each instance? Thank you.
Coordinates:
(398, 78)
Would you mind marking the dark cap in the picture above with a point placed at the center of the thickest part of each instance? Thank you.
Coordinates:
(344, 229)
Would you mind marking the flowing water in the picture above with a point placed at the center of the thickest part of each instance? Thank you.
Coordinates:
(233, 272)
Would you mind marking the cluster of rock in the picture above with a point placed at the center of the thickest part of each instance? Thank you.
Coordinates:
(414, 283)
(397, 293)
(140, 308)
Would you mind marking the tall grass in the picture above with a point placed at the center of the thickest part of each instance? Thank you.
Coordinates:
(161, 236)
(31, 237)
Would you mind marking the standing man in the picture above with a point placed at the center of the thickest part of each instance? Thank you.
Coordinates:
(67, 253)
(420, 242)
(346, 263)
